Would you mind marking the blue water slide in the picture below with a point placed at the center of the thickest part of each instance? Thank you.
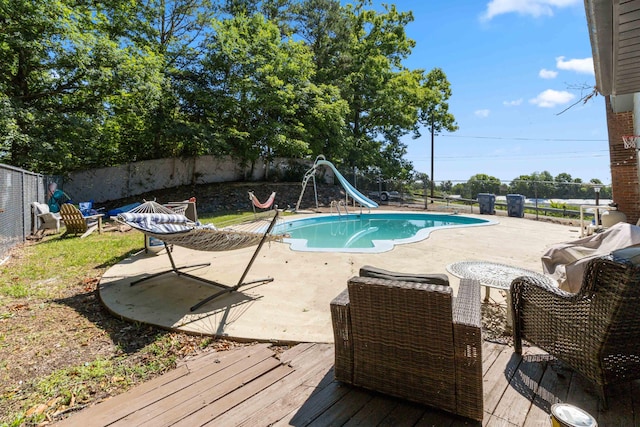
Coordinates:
(350, 189)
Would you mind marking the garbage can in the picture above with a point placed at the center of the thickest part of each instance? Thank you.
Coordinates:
(487, 203)
(515, 205)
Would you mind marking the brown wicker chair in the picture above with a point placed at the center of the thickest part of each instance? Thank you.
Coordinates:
(412, 340)
(595, 331)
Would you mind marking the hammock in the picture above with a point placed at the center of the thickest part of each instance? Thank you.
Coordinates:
(256, 203)
(164, 224)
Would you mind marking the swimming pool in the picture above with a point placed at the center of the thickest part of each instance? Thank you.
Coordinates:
(373, 232)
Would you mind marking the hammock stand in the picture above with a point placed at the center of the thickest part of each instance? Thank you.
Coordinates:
(175, 229)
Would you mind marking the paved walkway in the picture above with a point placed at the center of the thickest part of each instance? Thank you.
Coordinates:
(295, 306)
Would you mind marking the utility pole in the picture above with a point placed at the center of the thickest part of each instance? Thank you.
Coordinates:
(432, 156)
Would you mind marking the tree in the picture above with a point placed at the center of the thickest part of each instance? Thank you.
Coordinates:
(524, 184)
(482, 183)
(564, 186)
(64, 62)
(434, 113)
(253, 91)
(360, 51)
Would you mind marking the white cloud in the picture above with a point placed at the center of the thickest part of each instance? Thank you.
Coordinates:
(547, 74)
(584, 66)
(483, 114)
(535, 8)
(551, 98)
(513, 103)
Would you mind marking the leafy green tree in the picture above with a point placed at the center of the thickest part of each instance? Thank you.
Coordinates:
(564, 186)
(523, 184)
(360, 51)
(446, 187)
(482, 183)
(538, 184)
(254, 91)
(63, 63)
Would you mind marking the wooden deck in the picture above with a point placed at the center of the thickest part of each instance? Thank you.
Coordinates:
(250, 386)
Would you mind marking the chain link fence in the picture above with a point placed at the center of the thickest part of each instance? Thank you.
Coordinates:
(414, 190)
(20, 188)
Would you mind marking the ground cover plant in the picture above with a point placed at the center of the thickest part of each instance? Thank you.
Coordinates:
(60, 349)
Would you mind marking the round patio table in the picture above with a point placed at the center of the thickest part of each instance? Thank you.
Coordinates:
(494, 275)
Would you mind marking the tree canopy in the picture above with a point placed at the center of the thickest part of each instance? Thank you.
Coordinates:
(86, 84)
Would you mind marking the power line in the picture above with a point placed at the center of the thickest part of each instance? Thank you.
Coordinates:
(564, 154)
(518, 138)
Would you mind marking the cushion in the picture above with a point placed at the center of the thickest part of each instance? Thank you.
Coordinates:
(631, 253)
(379, 273)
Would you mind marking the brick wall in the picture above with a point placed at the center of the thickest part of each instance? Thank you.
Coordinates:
(624, 164)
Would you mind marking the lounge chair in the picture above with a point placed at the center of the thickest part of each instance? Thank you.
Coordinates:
(595, 331)
(411, 339)
(44, 219)
(76, 223)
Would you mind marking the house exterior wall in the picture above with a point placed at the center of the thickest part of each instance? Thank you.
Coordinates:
(624, 162)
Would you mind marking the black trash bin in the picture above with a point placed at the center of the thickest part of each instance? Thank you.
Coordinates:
(487, 203)
(515, 205)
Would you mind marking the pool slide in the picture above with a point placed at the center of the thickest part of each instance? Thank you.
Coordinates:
(350, 189)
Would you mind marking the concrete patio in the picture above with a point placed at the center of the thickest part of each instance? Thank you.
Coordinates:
(295, 306)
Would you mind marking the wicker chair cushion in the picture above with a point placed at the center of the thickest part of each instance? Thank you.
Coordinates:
(631, 254)
(379, 273)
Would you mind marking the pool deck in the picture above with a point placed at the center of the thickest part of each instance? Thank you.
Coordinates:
(295, 306)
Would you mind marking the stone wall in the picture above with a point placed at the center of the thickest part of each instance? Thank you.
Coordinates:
(234, 196)
(139, 178)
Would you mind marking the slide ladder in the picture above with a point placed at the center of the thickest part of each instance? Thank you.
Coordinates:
(348, 188)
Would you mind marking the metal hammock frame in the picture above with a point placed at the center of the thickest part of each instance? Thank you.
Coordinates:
(208, 239)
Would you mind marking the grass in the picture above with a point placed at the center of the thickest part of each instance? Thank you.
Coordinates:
(60, 350)
(45, 269)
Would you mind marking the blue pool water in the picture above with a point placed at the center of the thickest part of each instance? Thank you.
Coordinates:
(375, 232)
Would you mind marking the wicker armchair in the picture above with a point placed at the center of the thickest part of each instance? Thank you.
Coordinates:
(412, 340)
(595, 331)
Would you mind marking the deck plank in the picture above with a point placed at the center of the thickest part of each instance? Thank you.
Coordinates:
(620, 410)
(296, 351)
(582, 393)
(490, 352)
(553, 388)
(495, 381)
(203, 392)
(287, 395)
(315, 405)
(405, 414)
(517, 399)
(205, 360)
(113, 409)
(233, 399)
(373, 413)
(342, 410)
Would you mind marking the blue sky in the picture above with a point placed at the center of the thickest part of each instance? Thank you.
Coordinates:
(513, 66)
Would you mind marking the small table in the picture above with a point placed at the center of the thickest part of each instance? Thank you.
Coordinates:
(96, 217)
(494, 275)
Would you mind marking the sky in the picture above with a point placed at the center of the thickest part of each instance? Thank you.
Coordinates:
(514, 66)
